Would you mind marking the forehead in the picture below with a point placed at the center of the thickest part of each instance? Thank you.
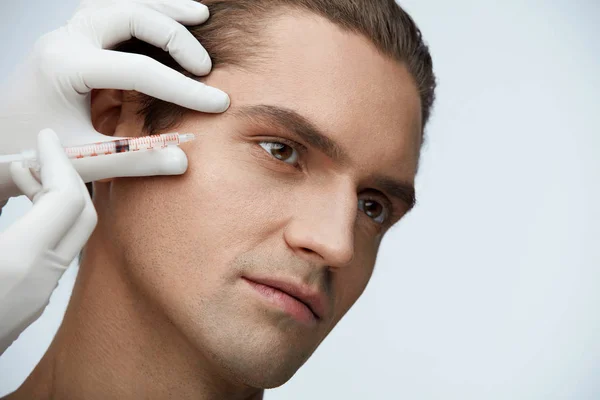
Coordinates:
(362, 99)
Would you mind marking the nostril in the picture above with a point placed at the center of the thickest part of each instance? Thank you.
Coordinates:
(312, 254)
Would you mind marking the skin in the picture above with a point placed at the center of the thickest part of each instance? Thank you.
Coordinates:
(159, 308)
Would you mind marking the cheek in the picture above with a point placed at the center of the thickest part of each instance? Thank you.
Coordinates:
(230, 202)
(224, 205)
(179, 235)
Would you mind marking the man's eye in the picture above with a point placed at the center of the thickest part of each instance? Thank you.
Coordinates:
(281, 151)
(374, 210)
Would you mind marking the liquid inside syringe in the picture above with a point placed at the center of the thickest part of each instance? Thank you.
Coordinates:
(123, 145)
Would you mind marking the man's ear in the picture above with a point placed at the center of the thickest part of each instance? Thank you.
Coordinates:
(112, 114)
(106, 109)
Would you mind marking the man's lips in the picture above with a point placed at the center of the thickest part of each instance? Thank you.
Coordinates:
(300, 301)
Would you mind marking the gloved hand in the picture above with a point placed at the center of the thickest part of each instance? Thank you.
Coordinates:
(38, 248)
(52, 88)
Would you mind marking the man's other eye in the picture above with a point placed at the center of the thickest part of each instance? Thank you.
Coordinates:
(282, 152)
(374, 210)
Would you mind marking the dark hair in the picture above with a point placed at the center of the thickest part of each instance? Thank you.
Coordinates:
(232, 37)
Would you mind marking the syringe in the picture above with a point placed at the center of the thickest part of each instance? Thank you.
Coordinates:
(122, 145)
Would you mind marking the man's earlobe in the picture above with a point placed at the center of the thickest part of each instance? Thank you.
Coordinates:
(106, 110)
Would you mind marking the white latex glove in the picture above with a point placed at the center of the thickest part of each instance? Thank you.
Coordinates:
(38, 248)
(52, 88)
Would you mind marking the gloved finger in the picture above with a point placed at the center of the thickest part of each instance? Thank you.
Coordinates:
(72, 243)
(56, 171)
(25, 180)
(188, 12)
(140, 73)
(168, 161)
(119, 23)
(58, 204)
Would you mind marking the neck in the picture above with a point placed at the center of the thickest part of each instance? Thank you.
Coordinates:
(114, 343)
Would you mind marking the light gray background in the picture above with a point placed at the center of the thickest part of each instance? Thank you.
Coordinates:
(490, 288)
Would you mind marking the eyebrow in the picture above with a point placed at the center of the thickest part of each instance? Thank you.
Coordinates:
(300, 126)
(403, 191)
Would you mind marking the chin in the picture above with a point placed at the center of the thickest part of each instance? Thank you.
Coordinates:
(267, 374)
(256, 362)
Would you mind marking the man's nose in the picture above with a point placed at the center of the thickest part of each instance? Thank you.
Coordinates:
(321, 229)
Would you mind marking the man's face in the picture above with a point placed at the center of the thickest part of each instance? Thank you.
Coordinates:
(296, 183)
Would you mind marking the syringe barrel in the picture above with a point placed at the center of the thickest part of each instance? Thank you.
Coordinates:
(123, 145)
(154, 141)
(91, 150)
